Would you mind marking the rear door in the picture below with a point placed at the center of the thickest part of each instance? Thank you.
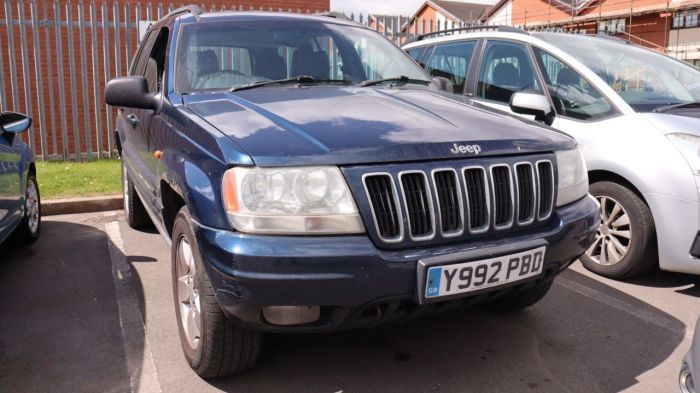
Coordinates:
(452, 61)
(10, 190)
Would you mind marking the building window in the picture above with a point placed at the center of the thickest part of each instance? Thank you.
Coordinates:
(678, 18)
(691, 18)
(611, 27)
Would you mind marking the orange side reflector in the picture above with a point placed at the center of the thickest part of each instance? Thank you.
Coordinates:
(158, 154)
(229, 192)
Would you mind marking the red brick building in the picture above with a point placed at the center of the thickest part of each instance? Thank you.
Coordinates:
(55, 70)
(668, 26)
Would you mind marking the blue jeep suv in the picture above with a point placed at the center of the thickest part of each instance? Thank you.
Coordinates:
(309, 177)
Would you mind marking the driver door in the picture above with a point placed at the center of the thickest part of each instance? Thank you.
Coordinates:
(505, 68)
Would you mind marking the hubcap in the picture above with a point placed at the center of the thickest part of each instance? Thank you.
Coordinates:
(32, 207)
(188, 294)
(125, 188)
(614, 235)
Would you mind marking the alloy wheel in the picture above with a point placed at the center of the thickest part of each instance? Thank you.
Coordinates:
(32, 207)
(188, 294)
(614, 234)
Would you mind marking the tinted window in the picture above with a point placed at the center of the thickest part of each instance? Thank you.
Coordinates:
(155, 65)
(505, 69)
(417, 54)
(451, 61)
(139, 62)
(571, 94)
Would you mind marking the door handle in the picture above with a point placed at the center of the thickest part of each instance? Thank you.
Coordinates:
(132, 119)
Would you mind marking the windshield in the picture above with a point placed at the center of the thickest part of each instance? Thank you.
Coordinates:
(226, 55)
(645, 79)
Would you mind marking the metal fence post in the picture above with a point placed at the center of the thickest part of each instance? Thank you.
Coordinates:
(39, 85)
(107, 67)
(95, 79)
(11, 53)
(73, 87)
(49, 74)
(61, 84)
(25, 67)
(83, 79)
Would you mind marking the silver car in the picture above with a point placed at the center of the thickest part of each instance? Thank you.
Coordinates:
(635, 113)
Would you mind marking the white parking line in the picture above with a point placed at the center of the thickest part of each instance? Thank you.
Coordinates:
(139, 360)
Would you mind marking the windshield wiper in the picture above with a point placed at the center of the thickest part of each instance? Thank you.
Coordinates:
(297, 79)
(403, 79)
(680, 105)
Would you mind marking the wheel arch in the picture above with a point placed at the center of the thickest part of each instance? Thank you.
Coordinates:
(599, 175)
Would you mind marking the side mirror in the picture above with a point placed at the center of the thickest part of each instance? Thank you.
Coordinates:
(532, 103)
(443, 84)
(130, 92)
(14, 123)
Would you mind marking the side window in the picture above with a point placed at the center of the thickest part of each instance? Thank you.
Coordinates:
(506, 68)
(144, 49)
(155, 65)
(451, 61)
(417, 54)
(571, 94)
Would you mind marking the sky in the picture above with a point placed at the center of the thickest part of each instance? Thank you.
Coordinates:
(391, 7)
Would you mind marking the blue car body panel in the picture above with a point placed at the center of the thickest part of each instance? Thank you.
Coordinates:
(15, 161)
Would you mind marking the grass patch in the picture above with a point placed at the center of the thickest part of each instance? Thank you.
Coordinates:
(58, 179)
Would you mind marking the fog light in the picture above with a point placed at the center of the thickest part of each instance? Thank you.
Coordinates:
(685, 380)
(291, 315)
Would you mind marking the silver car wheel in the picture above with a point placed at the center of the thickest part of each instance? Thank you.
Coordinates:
(32, 207)
(188, 294)
(613, 237)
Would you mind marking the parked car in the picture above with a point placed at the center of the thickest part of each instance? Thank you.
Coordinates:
(20, 206)
(691, 364)
(310, 179)
(633, 111)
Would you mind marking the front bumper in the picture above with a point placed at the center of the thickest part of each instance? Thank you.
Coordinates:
(355, 283)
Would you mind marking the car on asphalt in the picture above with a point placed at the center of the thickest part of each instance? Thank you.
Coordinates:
(635, 113)
(20, 205)
(310, 178)
(691, 364)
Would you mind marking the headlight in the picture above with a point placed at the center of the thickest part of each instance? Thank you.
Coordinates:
(301, 200)
(689, 146)
(573, 176)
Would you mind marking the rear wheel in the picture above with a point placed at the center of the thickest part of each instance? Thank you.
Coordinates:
(520, 299)
(625, 243)
(134, 210)
(213, 346)
(30, 226)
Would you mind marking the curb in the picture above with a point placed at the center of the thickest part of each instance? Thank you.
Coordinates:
(81, 205)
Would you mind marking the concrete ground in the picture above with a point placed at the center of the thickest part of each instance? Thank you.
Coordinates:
(88, 308)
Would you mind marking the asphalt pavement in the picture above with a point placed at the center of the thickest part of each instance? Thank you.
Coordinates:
(88, 308)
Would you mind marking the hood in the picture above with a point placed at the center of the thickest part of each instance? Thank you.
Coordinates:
(284, 126)
(669, 123)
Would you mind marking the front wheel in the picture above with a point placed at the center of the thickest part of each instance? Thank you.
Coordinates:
(625, 243)
(30, 226)
(213, 346)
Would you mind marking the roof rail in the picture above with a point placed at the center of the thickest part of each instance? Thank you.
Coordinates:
(466, 29)
(193, 9)
(333, 14)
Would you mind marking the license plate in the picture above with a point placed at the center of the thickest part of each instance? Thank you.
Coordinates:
(453, 279)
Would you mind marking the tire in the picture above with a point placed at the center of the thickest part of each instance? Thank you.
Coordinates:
(215, 347)
(135, 212)
(29, 228)
(631, 228)
(520, 298)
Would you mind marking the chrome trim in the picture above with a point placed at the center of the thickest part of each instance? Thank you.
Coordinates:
(539, 194)
(399, 213)
(459, 198)
(487, 198)
(535, 205)
(430, 203)
(512, 198)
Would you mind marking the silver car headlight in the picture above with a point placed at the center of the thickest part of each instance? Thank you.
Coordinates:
(689, 146)
(573, 176)
(290, 201)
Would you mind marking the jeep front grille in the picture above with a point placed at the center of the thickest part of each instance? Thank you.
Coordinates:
(448, 202)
